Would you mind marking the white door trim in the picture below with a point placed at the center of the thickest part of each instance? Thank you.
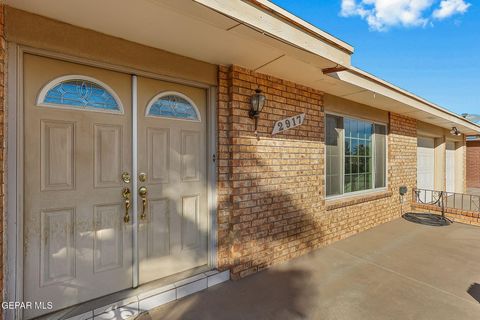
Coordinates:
(13, 234)
(212, 175)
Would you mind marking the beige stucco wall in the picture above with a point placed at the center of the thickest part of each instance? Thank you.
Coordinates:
(429, 130)
(460, 167)
(343, 106)
(441, 136)
(43, 33)
(440, 155)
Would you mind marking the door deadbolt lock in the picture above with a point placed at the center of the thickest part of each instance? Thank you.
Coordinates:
(126, 177)
(142, 177)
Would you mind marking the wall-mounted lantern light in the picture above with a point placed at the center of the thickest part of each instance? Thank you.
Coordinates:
(455, 131)
(257, 102)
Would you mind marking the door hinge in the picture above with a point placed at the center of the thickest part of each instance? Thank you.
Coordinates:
(214, 158)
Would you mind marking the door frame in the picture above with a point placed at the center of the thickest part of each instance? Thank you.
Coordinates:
(13, 233)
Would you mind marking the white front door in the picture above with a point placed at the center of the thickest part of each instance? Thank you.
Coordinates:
(450, 167)
(78, 231)
(172, 155)
(426, 165)
(77, 144)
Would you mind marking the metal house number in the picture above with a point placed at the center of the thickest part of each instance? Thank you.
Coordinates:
(288, 123)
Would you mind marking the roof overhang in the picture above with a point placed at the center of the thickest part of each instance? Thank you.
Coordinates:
(278, 23)
(362, 87)
(254, 34)
(219, 32)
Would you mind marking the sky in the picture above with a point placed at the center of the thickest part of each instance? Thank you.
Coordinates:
(428, 47)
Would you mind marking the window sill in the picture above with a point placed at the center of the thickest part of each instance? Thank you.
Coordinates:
(346, 201)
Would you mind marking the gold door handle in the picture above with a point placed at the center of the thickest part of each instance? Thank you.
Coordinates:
(126, 197)
(142, 192)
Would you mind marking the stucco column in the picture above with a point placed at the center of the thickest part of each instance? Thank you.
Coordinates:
(440, 155)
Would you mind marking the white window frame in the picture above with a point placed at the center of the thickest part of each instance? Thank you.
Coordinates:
(342, 157)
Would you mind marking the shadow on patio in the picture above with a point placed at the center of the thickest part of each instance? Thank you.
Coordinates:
(271, 294)
(474, 291)
(399, 270)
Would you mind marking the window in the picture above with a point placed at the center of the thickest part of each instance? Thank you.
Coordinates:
(334, 154)
(355, 155)
(79, 92)
(173, 105)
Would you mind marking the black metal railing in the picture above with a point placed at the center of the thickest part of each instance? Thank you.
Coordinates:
(450, 200)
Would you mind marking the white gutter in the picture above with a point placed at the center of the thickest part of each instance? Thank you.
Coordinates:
(298, 22)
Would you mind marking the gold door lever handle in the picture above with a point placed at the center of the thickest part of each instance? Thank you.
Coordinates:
(142, 192)
(126, 197)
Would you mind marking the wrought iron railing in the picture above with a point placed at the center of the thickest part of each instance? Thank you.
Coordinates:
(447, 200)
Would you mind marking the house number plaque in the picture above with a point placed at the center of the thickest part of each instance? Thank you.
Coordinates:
(288, 123)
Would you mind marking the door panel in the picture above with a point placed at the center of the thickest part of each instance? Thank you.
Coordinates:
(190, 155)
(108, 155)
(108, 241)
(190, 222)
(158, 230)
(57, 254)
(172, 152)
(158, 153)
(57, 155)
(76, 246)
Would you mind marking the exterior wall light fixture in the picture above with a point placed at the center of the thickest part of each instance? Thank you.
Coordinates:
(455, 131)
(257, 102)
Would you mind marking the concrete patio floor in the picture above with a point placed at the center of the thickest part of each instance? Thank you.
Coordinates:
(399, 270)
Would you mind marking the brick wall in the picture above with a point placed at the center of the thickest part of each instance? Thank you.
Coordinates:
(456, 215)
(364, 212)
(473, 164)
(2, 135)
(271, 204)
(269, 188)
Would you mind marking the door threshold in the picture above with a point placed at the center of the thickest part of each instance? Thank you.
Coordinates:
(131, 302)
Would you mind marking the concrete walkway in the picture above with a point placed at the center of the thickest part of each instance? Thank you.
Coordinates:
(399, 270)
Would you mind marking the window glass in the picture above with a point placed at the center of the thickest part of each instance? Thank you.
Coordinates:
(80, 93)
(173, 106)
(361, 139)
(334, 155)
(355, 155)
(380, 155)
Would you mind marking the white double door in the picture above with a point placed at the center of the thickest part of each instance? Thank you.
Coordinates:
(78, 212)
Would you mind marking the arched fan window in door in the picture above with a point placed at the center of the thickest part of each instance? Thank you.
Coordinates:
(79, 93)
(172, 105)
